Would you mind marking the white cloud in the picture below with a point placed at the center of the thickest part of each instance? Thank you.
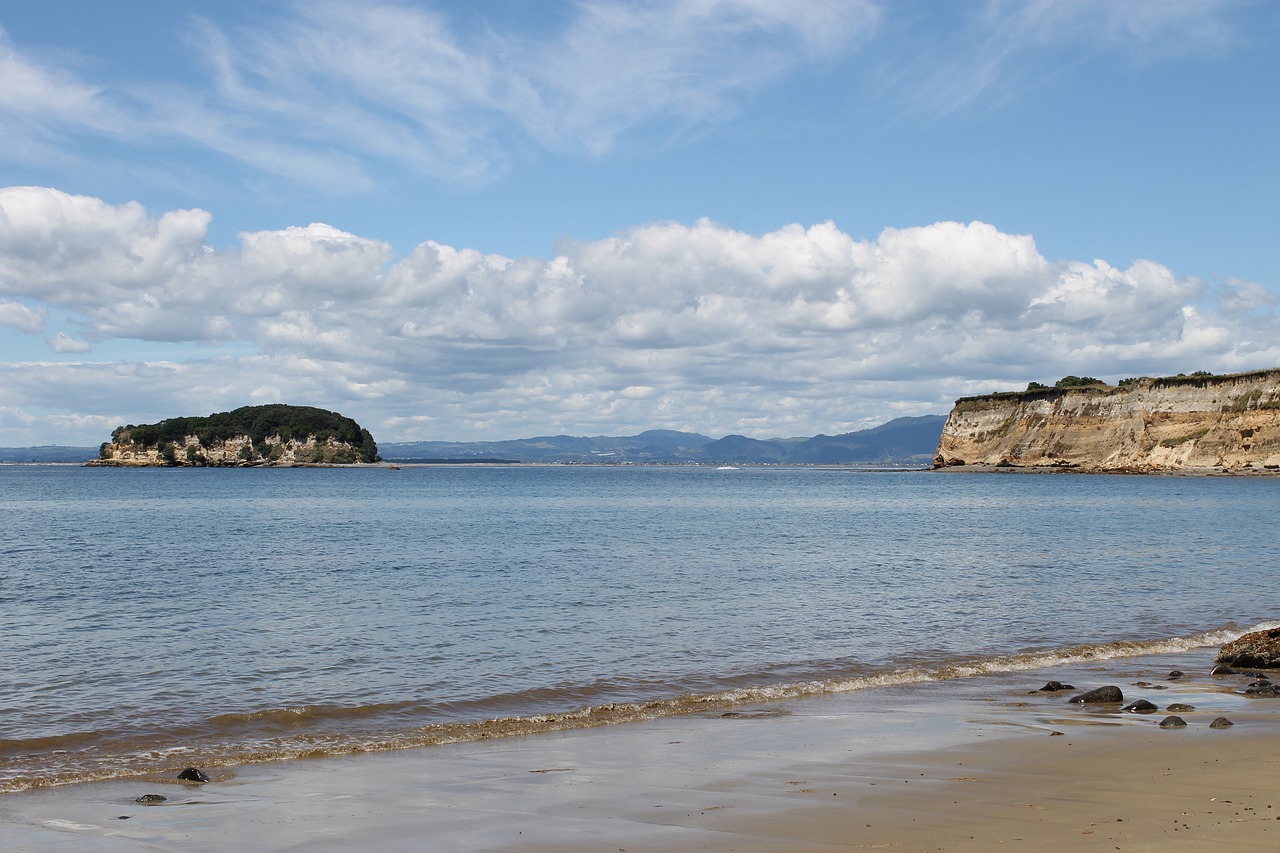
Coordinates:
(77, 251)
(15, 315)
(800, 330)
(64, 343)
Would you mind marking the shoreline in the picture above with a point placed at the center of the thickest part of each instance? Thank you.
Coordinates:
(306, 733)
(959, 765)
(1185, 471)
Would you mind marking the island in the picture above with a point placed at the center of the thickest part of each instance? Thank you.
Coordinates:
(1199, 421)
(273, 435)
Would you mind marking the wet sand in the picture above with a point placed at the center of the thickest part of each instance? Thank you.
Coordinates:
(965, 765)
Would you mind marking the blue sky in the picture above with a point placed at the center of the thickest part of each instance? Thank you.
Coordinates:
(497, 219)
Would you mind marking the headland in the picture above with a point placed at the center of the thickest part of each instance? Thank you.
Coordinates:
(1200, 422)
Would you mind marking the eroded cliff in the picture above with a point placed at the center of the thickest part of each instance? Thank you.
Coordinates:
(1183, 422)
(240, 451)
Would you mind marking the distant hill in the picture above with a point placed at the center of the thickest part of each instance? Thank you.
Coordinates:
(657, 445)
(47, 454)
(902, 441)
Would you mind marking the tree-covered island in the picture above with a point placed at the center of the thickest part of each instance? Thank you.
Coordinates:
(275, 434)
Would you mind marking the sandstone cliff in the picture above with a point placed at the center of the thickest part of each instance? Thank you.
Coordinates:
(239, 451)
(1182, 422)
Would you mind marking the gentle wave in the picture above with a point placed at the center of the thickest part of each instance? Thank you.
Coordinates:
(285, 733)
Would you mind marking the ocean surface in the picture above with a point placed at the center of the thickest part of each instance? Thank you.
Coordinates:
(155, 618)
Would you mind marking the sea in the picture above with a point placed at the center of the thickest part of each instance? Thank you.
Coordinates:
(152, 619)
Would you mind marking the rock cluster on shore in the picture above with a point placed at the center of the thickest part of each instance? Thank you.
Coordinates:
(1255, 650)
(1258, 649)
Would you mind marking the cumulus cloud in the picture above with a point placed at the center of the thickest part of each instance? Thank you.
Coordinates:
(15, 315)
(76, 251)
(686, 326)
(64, 343)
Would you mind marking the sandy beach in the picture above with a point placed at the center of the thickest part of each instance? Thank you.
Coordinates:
(969, 764)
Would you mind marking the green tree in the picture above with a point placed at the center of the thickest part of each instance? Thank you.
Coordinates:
(1077, 382)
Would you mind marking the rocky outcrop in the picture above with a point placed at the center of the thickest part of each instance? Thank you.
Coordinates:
(1181, 422)
(1099, 696)
(1257, 649)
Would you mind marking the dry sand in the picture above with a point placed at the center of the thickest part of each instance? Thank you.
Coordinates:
(969, 765)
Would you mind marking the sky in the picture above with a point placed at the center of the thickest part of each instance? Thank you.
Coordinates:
(505, 218)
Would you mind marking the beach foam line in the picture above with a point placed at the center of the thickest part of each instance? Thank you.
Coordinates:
(282, 735)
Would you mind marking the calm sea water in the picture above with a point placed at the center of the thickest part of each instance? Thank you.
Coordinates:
(157, 618)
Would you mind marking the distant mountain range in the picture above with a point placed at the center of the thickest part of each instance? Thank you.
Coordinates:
(902, 441)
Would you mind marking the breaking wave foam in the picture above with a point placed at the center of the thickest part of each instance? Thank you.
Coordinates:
(283, 734)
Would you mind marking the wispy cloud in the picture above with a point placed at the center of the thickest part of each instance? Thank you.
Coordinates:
(621, 66)
(336, 96)
(1004, 48)
(42, 94)
(327, 94)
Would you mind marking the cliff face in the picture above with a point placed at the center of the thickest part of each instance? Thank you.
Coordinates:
(233, 452)
(1223, 422)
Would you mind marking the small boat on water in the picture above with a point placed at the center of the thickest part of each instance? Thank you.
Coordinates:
(727, 468)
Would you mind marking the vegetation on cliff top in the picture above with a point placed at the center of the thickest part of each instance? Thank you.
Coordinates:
(261, 424)
(1087, 384)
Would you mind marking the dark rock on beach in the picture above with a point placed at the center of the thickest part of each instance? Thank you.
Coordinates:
(1177, 673)
(150, 799)
(1222, 669)
(1142, 706)
(1221, 723)
(1256, 649)
(1055, 686)
(1102, 695)
(1267, 689)
(193, 774)
(1180, 708)
(1173, 722)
